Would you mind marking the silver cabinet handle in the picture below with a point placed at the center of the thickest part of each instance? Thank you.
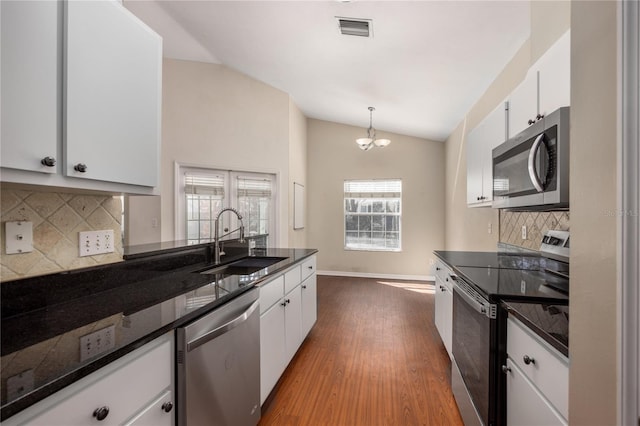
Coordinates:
(223, 328)
(533, 174)
(506, 369)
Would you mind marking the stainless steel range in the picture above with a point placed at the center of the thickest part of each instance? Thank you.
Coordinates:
(479, 324)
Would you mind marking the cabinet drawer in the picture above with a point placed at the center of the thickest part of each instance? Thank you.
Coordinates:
(525, 405)
(442, 270)
(548, 370)
(291, 279)
(308, 267)
(270, 293)
(111, 387)
(156, 413)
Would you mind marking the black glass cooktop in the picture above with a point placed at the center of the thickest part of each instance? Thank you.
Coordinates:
(516, 284)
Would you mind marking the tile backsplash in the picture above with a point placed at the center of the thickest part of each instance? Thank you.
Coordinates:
(57, 219)
(537, 224)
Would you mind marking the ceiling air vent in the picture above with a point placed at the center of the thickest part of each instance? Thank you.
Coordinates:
(355, 27)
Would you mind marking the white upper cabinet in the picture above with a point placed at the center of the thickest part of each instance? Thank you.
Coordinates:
(31, 72)
(81, 96)
(113, 90)
(490, 133)
(546, 87)
(523, 104)
(555, 76)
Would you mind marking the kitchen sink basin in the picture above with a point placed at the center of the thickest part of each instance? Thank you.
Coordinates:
(245, 266)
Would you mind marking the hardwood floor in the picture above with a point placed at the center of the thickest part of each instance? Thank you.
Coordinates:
(374, 357)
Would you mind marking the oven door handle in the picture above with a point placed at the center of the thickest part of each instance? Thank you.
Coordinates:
(478, 306)
(533, 173)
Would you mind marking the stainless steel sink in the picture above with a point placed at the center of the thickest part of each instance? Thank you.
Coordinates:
(244, 266)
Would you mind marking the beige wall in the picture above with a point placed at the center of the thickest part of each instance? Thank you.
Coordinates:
(333, 157)
(57, 219)
(297, 170)
(593, 307)
(216, 117)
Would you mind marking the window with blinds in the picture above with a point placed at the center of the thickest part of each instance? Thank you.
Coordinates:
(204, 196)
(372, 214)
(207, 191)
(254, 202)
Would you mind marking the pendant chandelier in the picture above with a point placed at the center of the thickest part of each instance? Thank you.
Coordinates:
(370, 141)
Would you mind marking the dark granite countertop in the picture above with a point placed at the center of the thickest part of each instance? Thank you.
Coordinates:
(44, 317)
(550, 322)
(489, 259)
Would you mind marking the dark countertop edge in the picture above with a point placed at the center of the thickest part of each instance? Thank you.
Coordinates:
(561, 347)
(43, 392)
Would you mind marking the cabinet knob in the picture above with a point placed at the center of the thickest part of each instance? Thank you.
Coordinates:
(101, 413)
(310, 267)
(284, 303)
(528, 360)
(446, 279)
(80, 167)
(287, 300)
(539, 116)
(437, 269)
(304, 286)
(48, 161)
(167, 406)
(531, 122)
(505, 369)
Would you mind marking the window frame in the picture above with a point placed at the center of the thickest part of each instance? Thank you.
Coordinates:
(230, 199)
(384, 214)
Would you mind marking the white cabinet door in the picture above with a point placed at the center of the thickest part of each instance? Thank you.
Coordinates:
(474, 165)
(113, 94)
(272, 348)
(525, 405)
(30, 38)
(309, 304)
(523, 103)
(490, 133)
(555, 76)
(444, 313)
(293, 322)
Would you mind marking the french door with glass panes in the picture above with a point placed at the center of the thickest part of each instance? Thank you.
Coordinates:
(204, 192)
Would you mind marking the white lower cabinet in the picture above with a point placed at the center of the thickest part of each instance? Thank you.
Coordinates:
(287, 313)
(110, 396)
(444, 305)
(309, 303)
(537, 379)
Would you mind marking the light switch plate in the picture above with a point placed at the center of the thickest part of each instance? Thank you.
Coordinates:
(19, 237)
(95, 343)
(96, 242)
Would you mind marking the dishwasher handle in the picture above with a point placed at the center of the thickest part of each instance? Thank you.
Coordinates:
(210, 335)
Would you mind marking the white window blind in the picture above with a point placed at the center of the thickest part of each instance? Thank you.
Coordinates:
(203, 185)
(372, 214)
(251, 187)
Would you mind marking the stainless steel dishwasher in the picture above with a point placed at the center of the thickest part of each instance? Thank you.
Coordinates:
(218, 366)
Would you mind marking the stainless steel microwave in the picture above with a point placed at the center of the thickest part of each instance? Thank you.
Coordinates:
(531, 170)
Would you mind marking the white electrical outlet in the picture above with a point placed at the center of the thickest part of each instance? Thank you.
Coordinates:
(20, 384)
(97, 342)
(524, 232)
(489, 228)
(96, 242)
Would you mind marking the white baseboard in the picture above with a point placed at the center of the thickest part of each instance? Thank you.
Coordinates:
(377, 275)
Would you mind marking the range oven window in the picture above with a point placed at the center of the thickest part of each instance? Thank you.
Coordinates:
(472, 352)
(511, 175)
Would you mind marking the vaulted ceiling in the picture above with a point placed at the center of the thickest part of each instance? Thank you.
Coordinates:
(424, 67)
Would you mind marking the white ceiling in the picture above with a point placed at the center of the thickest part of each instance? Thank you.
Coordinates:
(426, 65)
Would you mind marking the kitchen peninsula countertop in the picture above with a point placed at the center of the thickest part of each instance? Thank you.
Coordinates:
(43, 318)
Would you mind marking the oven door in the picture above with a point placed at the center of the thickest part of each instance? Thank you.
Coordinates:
(472, 351)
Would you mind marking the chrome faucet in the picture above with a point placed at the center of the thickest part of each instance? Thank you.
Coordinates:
(217, 235)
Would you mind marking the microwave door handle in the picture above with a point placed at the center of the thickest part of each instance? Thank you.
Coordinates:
(533, 174)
